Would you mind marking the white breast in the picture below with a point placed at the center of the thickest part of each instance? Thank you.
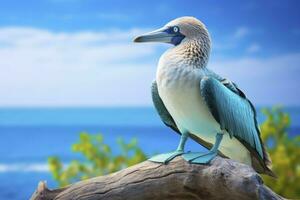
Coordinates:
(179, 88)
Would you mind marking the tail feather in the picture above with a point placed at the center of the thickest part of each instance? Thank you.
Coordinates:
(268, 163)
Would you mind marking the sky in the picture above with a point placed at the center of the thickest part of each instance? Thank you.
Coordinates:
(57, 53)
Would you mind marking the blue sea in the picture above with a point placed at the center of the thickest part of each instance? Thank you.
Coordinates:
(30, 135)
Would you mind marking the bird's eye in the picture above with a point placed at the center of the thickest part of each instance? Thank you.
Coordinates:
(175, 29)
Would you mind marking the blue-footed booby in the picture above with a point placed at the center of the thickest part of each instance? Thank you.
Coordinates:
(198, 103)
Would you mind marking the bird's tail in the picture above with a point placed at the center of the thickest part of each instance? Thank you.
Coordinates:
(267, 163)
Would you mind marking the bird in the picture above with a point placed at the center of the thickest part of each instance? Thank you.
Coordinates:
(198, 103)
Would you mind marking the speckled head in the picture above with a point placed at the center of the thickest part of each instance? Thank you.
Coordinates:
(174, 32)
(188, 34)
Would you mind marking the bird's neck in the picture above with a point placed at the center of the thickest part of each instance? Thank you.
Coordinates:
(194, 53)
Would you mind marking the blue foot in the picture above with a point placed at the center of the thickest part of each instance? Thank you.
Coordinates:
(166, 157)
(200, 158)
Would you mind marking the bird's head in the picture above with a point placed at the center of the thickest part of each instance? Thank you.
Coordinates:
(177, 31)
(190, 37)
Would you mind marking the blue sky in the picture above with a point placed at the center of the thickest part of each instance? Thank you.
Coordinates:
(79, 52)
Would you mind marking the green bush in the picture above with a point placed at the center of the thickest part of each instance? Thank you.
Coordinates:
(98, 159)
(284, 151)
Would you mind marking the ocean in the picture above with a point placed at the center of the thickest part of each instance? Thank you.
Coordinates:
(30, 135)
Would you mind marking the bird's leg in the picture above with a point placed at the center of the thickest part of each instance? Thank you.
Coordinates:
(203, 158)
(166, 157)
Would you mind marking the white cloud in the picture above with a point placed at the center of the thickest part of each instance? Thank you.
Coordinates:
(253, 48)
(44, 68)
(230, 41)
(241, 32)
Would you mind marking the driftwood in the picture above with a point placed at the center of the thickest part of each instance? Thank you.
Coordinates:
(221, 179)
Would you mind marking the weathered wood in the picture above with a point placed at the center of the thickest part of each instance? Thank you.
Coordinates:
(221, 179)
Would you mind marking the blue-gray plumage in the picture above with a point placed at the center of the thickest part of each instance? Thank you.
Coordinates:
(196, 102)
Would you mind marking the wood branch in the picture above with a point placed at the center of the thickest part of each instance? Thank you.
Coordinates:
(221, 179)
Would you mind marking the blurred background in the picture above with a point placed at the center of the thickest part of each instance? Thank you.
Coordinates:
(75, 97)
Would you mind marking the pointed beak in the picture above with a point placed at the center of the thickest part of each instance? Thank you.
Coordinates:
(159, 35)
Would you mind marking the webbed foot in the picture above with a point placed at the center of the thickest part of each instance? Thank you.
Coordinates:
(200, 158)
(166, 157)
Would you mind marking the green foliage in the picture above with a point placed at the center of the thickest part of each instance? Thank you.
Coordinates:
(98, 159)
(284, 151)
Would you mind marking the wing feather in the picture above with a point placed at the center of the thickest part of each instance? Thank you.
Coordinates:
(235, 114)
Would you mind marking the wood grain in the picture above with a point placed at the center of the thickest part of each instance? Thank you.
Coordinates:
(221, 179)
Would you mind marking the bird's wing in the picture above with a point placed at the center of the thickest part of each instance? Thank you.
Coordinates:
(168, 119)
(161, 109)
(235, 114)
